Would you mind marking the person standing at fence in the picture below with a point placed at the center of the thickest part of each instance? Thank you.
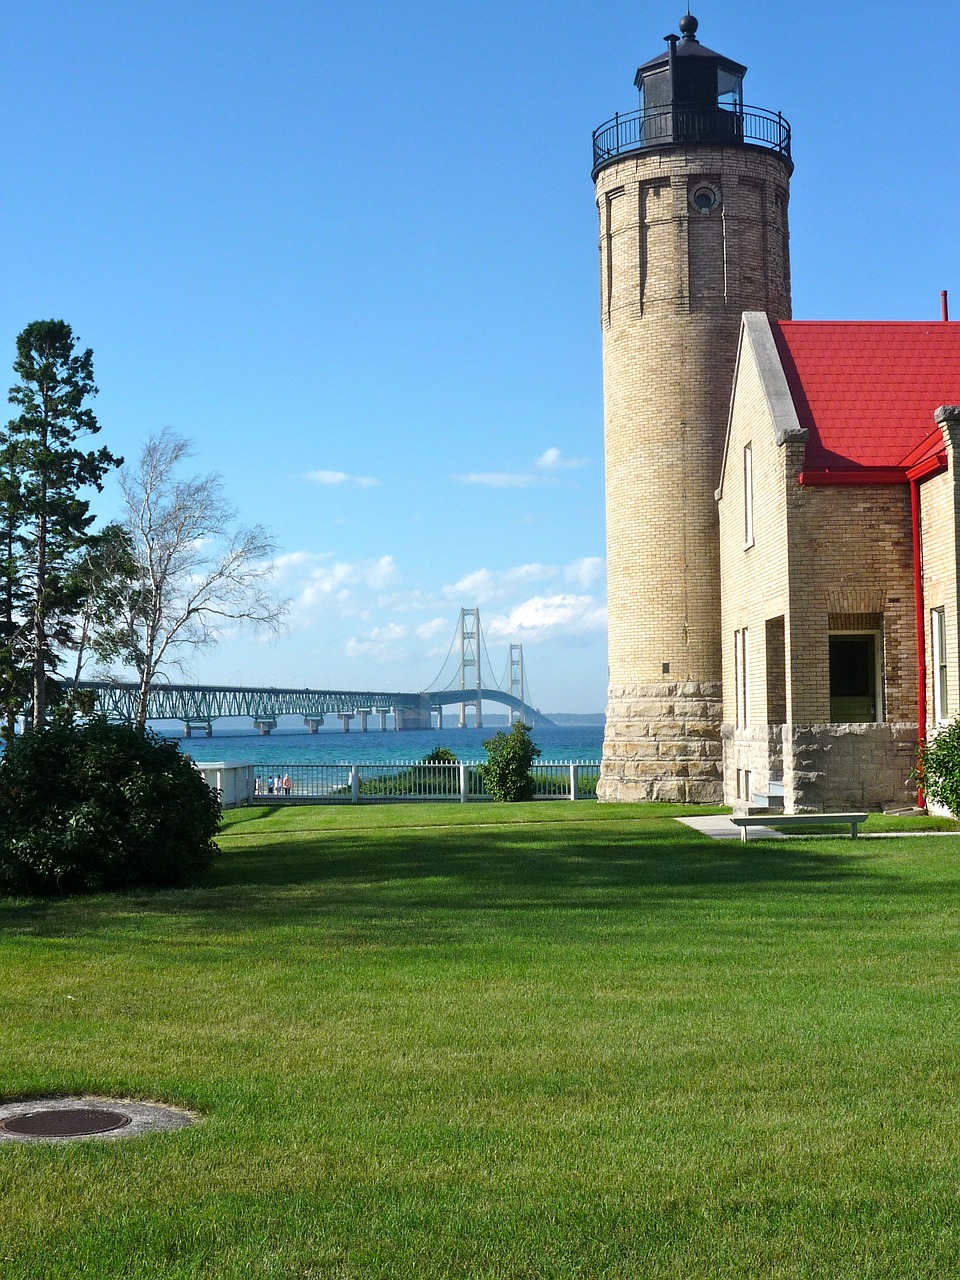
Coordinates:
(287, 784)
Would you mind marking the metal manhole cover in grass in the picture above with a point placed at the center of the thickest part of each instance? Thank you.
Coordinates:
(66, 1122)
(84, 1118)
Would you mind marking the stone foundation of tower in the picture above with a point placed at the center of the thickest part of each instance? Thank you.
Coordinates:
(662, 742)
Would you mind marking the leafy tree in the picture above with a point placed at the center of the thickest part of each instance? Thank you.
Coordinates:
(195, 567)
(507, 771)
(93, 806)
(101, 583)
(14, 675)
(48, 522)
(939, 767)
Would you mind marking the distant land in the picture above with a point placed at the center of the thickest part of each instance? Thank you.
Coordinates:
(558, 717)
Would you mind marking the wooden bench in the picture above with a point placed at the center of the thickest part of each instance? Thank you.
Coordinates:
(799, 820)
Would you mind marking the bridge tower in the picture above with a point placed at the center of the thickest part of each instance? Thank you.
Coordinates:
(692, 194)
(470, 643)
(516, 677)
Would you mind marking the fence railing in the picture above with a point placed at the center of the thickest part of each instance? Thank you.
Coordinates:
(410, 781)
(654, 127)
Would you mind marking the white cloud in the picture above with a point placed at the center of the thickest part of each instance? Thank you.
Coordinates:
(435, 627)
(484, 585)
(499, 479)
(543, 615)
(552, 460)
(316, 583)
(339, 477)
(585, 572)
(382, 644)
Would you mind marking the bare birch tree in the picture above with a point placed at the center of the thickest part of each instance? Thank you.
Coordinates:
(196, 569)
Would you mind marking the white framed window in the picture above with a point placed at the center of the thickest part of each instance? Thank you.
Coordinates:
(741, 675)
(938, 635)
(747, 496)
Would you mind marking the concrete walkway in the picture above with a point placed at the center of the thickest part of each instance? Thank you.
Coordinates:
(719, 827)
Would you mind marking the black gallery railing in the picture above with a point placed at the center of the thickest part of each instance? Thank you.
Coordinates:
(659, 126)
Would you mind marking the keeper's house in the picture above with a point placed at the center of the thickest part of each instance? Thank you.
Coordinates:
(838, 510)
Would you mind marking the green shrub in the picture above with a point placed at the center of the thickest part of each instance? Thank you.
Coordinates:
(421, 780)
(506, 773)
(85, 807)
(939, 767)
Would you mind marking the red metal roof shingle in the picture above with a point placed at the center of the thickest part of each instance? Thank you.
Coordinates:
(866, 390)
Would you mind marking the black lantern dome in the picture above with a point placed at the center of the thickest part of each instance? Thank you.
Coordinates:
(689, 94)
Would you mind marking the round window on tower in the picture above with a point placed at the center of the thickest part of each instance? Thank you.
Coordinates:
(704, 197)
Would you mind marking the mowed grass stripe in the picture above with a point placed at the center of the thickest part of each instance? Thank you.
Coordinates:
(594, 1045)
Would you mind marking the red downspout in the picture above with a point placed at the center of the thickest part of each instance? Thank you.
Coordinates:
(921, 630)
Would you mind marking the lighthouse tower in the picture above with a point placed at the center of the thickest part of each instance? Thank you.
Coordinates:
(692, 194)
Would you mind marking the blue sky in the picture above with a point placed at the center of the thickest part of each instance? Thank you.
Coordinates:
(350, 251)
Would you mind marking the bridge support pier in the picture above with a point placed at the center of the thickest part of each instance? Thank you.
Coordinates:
(439, 711)
(363, 720)
(477, 716)
(345, 718)
(313, 723)
(417, 717)
(190, 727)
(264, 726)
(383, 712)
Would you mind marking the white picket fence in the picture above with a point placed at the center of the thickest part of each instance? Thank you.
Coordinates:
(394, 782)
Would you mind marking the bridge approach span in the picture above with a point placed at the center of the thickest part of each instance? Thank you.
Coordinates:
(197, 706)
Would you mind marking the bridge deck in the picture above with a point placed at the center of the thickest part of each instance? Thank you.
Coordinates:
(204, 703)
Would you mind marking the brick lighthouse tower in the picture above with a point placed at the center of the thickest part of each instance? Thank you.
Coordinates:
(692, 194)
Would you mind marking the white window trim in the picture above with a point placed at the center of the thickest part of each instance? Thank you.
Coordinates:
(938, 638)
(741, 676)
(748, 496)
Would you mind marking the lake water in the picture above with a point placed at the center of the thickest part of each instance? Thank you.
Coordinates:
(236, 742)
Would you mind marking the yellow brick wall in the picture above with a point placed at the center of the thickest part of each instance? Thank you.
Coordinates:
(674, 283)
(939, 503)
(823, 559)
(852, 554)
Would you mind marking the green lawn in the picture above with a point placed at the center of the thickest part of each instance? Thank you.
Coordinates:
(543, 1041)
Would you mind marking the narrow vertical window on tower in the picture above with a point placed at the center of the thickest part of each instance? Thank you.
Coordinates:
(747, 496)
(741, 675)
(938, 632)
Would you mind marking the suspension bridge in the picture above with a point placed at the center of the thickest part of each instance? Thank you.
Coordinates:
(466, 690)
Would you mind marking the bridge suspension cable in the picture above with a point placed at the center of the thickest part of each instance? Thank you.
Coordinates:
(435, 682)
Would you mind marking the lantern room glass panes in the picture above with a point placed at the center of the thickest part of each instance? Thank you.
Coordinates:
(729, 90)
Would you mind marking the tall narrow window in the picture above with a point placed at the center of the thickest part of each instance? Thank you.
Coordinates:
(938, 632)
(747, 495)
(741, 675)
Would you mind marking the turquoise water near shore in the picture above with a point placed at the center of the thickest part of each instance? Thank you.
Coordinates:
(236, 742)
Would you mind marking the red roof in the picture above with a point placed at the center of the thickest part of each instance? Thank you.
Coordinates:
(866, 390)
